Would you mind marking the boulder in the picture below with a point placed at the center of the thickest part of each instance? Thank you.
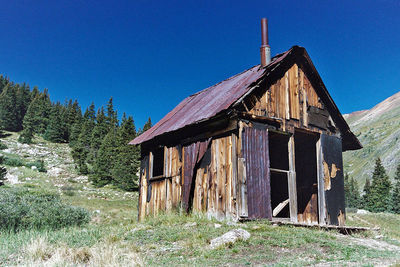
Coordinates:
(229, 238)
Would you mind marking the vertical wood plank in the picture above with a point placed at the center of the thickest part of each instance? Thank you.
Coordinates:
(234, 176)
(242, 200)
(287, 99)
(321, 185)
(228, 188)
(292, 181)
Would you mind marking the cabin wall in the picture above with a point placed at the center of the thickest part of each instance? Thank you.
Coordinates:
(161, 194)
(215, 181)
(293, 100)
(211, 189)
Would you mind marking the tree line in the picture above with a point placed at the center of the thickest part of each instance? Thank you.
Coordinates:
(98, 139)
(379, 194)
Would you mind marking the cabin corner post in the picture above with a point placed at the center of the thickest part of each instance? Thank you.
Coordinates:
(292, 181)
(321, 185)
(143, 185)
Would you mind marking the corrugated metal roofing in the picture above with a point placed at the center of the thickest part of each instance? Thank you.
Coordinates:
(208, 102)
(212, 101)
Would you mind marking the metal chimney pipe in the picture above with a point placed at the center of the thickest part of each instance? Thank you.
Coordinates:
(265, 50)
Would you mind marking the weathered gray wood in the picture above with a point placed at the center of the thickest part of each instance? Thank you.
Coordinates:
(243, 209)
(151, 160)
(321, 185)
(292, 181)
(280, 207)
(234, 172)
(278, 170)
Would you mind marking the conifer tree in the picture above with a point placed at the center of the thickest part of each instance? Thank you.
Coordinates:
(112, 118)
(8, 108)
(3, 172)
(3, 82)
(395, 201)
(367, 195)
(26, 136)
(355, 200)
(352, 193)
(72, 115)
(104, 162)
(146, 126)
(379, 200)
(55, 130)
(23, 99)
(38, 113)
(81, 149)
(127, 163)
(99, 132)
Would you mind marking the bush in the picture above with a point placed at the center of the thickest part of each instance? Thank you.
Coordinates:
(68, 190)
(22, 208)
(2, 146)
(39, 164)
(18, 162)
(13, 162)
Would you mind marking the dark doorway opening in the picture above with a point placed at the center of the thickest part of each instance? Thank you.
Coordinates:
(306, 176)
(279, 167)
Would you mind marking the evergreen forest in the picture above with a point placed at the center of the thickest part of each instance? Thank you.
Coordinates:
(97, 137)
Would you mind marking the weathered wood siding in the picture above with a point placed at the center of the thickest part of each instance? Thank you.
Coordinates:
(163, 193)
(212, 188)
(215, 190)
(289, 98)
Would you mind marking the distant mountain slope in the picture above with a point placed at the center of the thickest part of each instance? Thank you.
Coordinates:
(378, 129)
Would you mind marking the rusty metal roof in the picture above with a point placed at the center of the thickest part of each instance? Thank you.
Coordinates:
(208, 102)
(221, 96)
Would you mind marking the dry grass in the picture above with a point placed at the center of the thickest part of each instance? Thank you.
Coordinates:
(39, 252)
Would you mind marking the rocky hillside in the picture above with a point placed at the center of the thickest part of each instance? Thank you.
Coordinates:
(378, 129)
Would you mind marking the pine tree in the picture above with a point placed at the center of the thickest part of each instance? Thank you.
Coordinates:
(81, 150)
(380, 189)
(146, 126)
(367, 195)
(99, 132)
(3, 82)
(395, 201)
(26, 136)
(72, 115)
(8, 108)
(23, 99)
(3, 172)
(38, 113)
(352, 193)
(55, 130)
(112, 118)
(127, 163)
(105, 160)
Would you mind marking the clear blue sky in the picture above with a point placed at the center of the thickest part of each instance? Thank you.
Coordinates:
(149, 55)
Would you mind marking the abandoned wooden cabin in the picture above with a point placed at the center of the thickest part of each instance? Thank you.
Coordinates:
(265, 143)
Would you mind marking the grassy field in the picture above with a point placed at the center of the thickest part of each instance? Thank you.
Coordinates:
(115, 238)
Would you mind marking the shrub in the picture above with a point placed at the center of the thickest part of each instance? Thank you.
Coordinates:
(13, 162)
(2, 146)
(39, 164)
(22, 208)
(68, 190)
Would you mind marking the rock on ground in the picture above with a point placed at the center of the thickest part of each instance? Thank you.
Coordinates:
(229, 237)
(362, 212)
